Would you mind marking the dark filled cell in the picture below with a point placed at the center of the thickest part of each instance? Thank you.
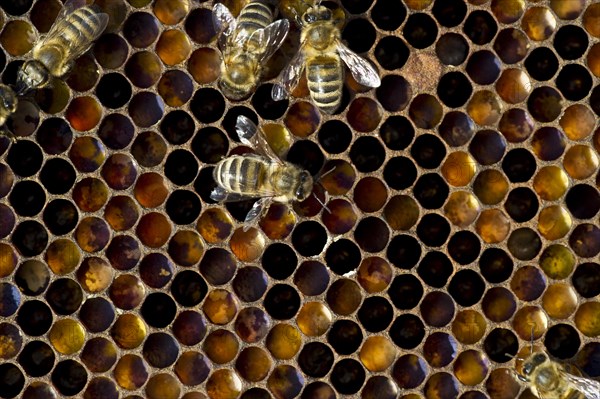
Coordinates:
(454, 89)
(511, 45)
(406, 291)
(32, 277)
(487, 147)
(69, 377)
(372, 234)
(545, 103)
(306, 154)
(456, 128)
(177, 127)
(342, 256)
(586, 279)
(359, 34)
(156, 270)
(400, 173)
(312, 278)
(12, 380)
(391, 53)
(335, 136)
(595, 100)
(188, 288)
(375, 314)
(583, 201)
(218, 266)
(347, 376)
(395, 93)
(123, 252)
(480, 27)
(113, 90)
(367, 154)
(466, 287)
(562, 341)
(25, 158)
(431, 190)
(404, 251)
(357, 6)
(407, 331)
(449, 13)
(388, 14)
(279, 261)
(315, 359)
(58, 176)
(428, 151)
(111, 50)
(452, 49)
(541, 64)
(397, 132)
(158, 309)
(282, 302)
(34, 318)
(16, 7)
(464, 247)
(189, 327)
(252, 393)
(146, 108)
(116, 131)
(345, 336)
(435, 269)
(64, 296)
(484, 67)
(204, 184)
(519, 165)
(207, 105)
(54, 135)
(97, 314)
(140, 29)
(495, 265)
(524, 243)
(37, 358)
(181, 167)
(160, 350)
(30, 238)
(420, 30)
(521, 204)
(433, 230)
(265, 106)
(501, 345)
(571, 42)
(585, 240)
(309, 238)
(27, 198)
(574, 82)
(60, 216)
(183, 207)
(210, 145)
(548, 143)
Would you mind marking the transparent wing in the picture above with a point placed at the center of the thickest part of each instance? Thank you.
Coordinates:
(69, 7)
(289, 77)
(256, 211)
(273, 36)
(253, 137)
(223, 20)
(360, 68)
(218, 194)
(590, 388)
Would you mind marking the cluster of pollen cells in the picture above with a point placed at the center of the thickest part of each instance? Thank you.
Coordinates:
(451, 231)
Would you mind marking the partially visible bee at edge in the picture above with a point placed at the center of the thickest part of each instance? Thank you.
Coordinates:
(548, 379)
(262, 175)
(76, 27)
(8, 106)
(321, 53)
(246, 44)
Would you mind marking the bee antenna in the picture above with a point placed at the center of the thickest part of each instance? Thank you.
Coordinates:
(531, 340)
(321, 202)
(322, 175)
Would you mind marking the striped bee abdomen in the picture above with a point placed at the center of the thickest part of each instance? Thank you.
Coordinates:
(241, 175)
(325, 80)
(255, 15)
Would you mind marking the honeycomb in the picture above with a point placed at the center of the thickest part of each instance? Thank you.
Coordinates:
(461, 220)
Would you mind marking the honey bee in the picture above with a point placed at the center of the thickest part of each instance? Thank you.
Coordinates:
(247, 43)
(72, 34)
(8, 106)
(548, 379)
(262, 175)
(321, 53)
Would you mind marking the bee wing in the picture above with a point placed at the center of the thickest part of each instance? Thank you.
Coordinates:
(256, 210)
(272, 37)
(218, 194)
(289, 77)
(590, 388)
(223, 20)
(251, 136)
(360, 68)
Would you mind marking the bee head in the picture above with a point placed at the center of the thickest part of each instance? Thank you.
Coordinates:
(305, 186)
(31, 75)
(533, 362)
(8, 98)
(316, 13)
